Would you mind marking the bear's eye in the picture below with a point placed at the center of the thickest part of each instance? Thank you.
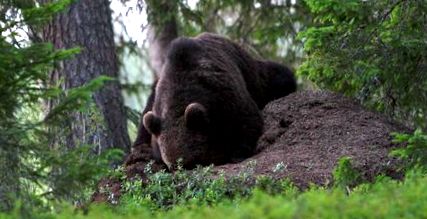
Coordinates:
(152, 123)
(196, 117)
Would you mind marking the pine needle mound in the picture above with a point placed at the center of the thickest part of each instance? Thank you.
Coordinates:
(307, 132)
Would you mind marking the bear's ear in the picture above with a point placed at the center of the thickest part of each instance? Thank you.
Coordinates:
(196, 117)
(152, 123)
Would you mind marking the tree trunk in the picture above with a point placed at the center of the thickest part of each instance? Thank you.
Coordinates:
(163, 30)
(87, 24)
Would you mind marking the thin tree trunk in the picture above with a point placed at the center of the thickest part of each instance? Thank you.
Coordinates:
(163, 30)
(161, 33)
(87, 24)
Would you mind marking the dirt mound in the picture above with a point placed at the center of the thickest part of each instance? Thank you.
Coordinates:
(308, 132)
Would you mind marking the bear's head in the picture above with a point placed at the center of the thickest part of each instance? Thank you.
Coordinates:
(185, 138)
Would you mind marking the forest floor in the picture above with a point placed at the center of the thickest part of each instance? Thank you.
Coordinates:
(305, 134)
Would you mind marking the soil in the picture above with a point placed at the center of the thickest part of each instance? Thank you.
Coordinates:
(306, 133)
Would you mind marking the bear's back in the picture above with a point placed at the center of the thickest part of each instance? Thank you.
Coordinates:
(203, 69)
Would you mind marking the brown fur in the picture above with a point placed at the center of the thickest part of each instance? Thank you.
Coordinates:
(206, 107)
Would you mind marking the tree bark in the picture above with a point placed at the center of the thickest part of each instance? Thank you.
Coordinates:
(87, 24)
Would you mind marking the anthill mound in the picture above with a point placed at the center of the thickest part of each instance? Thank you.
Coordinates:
(308, 132)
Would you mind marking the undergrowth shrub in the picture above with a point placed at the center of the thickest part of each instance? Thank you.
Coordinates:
(163, 190)
(415, 152)
(344, 174)
(385, 198)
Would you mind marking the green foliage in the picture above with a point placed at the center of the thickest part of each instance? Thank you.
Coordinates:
(74, 170)
(40, 15)
(345, 175)
(162, 190)
(383, 199)
(34, 174)
(415, 152)
(77, 98)
(267, 28)
(371, 50)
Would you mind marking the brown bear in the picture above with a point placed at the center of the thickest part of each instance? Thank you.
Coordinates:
(205, 108)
